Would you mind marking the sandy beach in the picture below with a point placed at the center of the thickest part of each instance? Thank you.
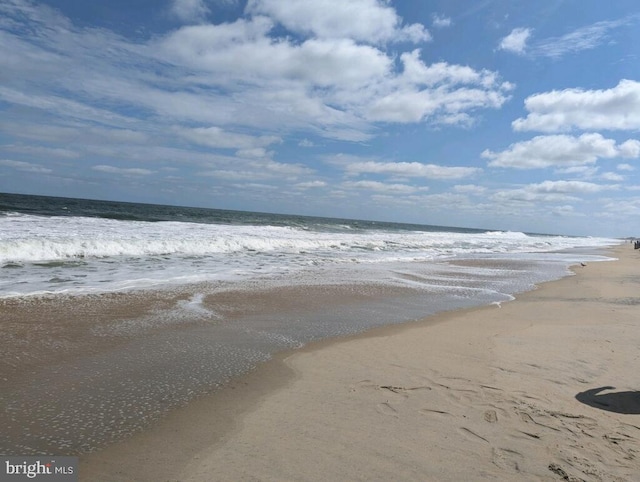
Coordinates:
(541, 388)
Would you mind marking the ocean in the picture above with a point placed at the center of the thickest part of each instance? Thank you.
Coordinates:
(136, 309)
(51, 246)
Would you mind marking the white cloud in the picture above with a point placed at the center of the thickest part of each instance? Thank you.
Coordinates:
(233, 174)
(470, 189)
(258, 169)
(254, 153)
(189, 10)
(442, 201)
(383, 187)
(630, 149)
(219, 138)
(280, 169)
(329, 82)
(122, 170)
(625, 167)
(441, 21)
(617, 108)
(59, 105)
(43, 152)
(557, 151)
(372, 21)
(582, 172)
(564, 210)
(310, 184)
(237, 52)
(550, 192)
(516, 41)
(574, 187)
(411, 169)
(442, 92)
(202, 75)
(416, 72)
(256, 187)
(583, 38)
(612, 176)
(25, 166)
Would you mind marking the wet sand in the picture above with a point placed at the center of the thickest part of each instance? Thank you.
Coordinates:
(542, 388)
(82, 372)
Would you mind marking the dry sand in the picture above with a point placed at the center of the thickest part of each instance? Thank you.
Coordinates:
(508, 392)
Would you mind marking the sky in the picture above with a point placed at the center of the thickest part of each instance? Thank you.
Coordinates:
(493, 114)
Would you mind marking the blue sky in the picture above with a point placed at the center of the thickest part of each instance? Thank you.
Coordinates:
(497, 114)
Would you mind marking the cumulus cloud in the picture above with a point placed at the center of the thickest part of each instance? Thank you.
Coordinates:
(416, 72)
(371, 21)
(559, 151)
(617, 108)
(411, 169)
(338, 82)
(332, 80)
(630, 149)
(441, 91)
(516, 41)
(320, 83)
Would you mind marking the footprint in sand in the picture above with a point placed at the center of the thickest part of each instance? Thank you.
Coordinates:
(507, 459)
(491, 416)
(557, 469)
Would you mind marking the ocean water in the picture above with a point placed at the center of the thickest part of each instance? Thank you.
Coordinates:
(52, 246)
(114, 314)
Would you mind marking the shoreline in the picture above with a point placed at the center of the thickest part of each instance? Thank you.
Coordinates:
(490, 405)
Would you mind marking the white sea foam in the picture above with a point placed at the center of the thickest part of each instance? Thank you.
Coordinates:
(78, 254)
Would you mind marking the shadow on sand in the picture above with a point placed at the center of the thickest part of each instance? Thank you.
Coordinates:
(619, 402)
